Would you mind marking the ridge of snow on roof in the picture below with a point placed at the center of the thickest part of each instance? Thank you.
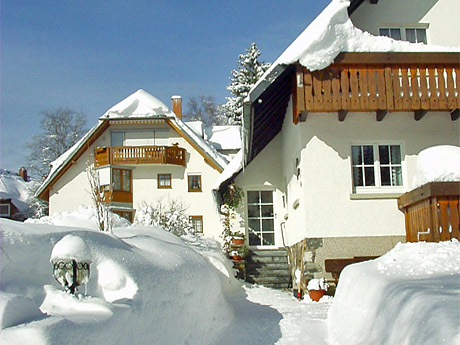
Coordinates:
(331, 33)
(138, 104)
(225, 137)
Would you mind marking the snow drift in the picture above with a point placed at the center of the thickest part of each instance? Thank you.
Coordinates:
(411, 295)
(169, 292)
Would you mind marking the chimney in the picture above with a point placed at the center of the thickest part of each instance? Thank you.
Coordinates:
(23, 173)
(177, 106)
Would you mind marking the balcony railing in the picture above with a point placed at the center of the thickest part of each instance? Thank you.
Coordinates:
(381, 83)
(139, 155)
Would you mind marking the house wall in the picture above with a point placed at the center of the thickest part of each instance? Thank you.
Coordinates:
(438, 16)
(72, 189)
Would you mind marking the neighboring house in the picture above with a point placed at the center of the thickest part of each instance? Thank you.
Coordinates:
(14, 194)
(333, 129)
(143, 153)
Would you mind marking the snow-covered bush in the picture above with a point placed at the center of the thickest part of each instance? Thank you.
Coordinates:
(170, 214)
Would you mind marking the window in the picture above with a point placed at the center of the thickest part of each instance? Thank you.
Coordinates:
(197, 224)
(261, 219)
(4, 210)
(413, 35)
(128, 215)
(376, 166)
(121, 179)
(164, 181)
(194, 183)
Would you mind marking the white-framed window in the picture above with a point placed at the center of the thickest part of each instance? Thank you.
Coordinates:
(413, 35)
(4, 210)
(261, 217)
(377, 167)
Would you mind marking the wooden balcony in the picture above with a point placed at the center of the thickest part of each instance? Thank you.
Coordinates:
(118, 155)
(381, 83)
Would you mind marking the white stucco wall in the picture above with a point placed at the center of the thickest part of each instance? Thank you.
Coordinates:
(264, 173)
(439, 16)
(72, 189)
(327, 201)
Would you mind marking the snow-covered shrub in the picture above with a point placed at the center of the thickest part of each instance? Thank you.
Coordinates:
(170, 214)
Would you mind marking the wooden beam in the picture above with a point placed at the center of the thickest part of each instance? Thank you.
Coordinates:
(303, 116)
(405, 58)
(418, 114)
(342, 114)
(374, 2)
(455, 114)
(381, 114)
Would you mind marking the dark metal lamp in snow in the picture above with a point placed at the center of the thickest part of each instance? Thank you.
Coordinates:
(71, 274)
(71, 258)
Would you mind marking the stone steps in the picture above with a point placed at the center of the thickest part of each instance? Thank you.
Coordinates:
(268, 267)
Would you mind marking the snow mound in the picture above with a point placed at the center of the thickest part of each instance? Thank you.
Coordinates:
(146, 286)
(71, 247)
(437, 164)
(408, 296)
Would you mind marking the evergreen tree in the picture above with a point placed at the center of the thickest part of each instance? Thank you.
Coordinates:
(249, 70)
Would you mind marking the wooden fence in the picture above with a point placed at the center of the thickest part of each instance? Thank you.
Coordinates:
(432, 212)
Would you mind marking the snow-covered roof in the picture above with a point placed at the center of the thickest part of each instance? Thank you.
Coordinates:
(13, 187)
(233, 168)
(138, 104)
(225, 137)
(329, 34)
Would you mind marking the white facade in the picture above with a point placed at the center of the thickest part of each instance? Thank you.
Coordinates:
(438, 17)
(316, 199)
(70, 189)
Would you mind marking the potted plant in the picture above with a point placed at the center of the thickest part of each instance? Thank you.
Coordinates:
(317, 288)
(237, 238)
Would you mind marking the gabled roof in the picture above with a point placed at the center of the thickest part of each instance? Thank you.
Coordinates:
(139, 105)
(329, 34)
(14, 188)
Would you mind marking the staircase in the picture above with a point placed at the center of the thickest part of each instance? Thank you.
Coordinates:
(268, 267)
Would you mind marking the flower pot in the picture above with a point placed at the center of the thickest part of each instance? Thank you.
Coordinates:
(316, 295)
(236, 257)
(237, 241)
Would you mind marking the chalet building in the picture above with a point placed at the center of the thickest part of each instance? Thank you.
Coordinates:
(144, 153)
(333, 129)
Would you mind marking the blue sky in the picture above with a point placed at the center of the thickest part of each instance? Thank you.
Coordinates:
(89, 55)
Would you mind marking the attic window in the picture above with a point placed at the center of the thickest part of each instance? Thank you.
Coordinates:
(413, 35)
(4, 210)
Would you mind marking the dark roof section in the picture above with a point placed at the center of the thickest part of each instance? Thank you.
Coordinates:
(268, 113)
(354, 4)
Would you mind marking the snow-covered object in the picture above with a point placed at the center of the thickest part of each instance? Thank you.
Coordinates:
(437, 164)
(225, 137)
(408, 296)
(331, 33)
(317, 284)
(13, 187)
(71, 247)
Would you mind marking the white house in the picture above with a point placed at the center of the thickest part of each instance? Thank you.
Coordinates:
(143, 153)
(333, 128)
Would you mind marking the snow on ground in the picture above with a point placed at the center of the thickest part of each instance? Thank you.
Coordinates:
(148, 286)
(411, 295)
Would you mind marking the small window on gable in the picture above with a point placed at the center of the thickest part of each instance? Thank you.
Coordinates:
(197, 224)
(413, 35)
(164, 181)
(194, 183)
(4, 210)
